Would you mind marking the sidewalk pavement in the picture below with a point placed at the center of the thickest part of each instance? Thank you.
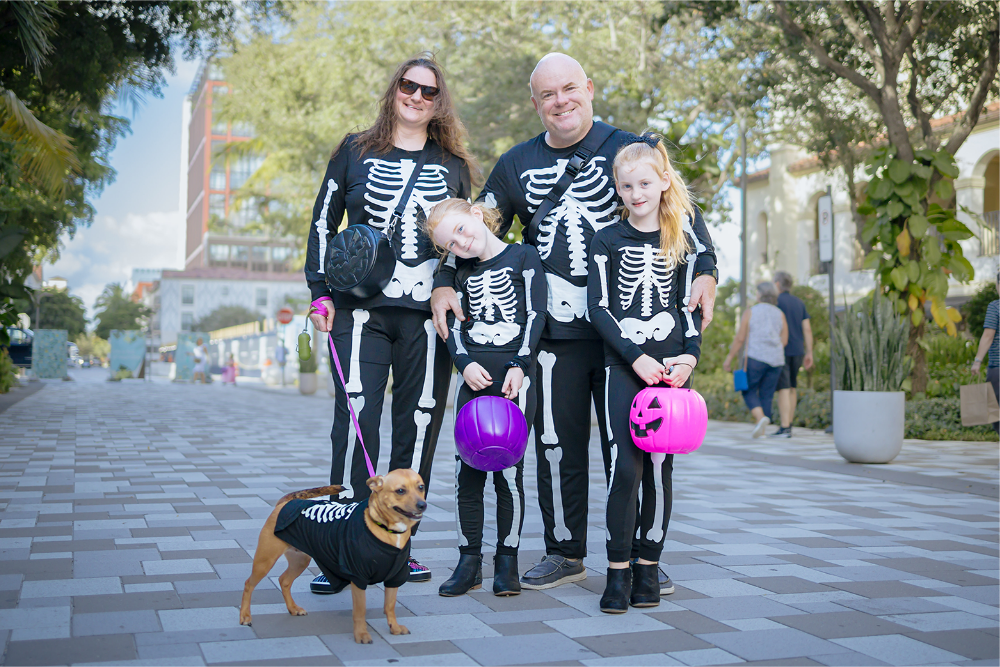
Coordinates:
(130, 512)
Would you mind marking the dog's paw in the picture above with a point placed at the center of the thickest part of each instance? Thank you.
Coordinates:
(245, 620)
(297, 611)
(398, 629)
(362, 637)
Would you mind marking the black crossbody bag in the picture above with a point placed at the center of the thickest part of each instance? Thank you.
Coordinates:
(360, 261)
(591, 144)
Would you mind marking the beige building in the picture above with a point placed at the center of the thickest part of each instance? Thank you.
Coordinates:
(782, 225)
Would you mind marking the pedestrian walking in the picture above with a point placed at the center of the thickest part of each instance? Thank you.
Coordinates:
(560, 186)
(989, 344)
(637, 289)
(798, 351)
(417, 137)
(200, 354)
(765, 333)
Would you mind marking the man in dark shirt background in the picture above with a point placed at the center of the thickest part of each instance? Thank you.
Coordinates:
(798, 351)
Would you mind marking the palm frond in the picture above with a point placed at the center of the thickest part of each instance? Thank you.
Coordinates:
(35, 24)
(47, 156)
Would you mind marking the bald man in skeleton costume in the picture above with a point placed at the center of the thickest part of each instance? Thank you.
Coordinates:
(570, 370)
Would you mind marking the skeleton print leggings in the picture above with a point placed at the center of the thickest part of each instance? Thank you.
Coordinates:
(633, 476)
(368, 342)
(570, 373)
(470, 483)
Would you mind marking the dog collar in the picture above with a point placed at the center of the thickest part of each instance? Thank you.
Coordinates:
(387, 528)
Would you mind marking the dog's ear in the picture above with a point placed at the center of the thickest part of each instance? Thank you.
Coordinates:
(375, 483)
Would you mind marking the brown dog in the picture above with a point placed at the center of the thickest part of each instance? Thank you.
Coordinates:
(396, 503)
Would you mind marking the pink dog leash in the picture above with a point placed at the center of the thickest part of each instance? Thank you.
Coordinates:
(320, 308)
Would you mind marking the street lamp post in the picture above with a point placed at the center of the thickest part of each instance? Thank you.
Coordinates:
(743, 214)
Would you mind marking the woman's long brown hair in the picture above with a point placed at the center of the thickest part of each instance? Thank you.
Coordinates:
(445, 128)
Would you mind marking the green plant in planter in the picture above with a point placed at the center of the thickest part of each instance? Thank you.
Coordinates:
(870, 341)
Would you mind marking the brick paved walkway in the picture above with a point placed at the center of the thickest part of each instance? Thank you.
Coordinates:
(130, 512)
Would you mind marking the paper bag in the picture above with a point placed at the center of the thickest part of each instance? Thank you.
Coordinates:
(979, 404)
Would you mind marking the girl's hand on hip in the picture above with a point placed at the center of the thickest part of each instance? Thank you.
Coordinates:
(648, 369)
(476, 377)
(512, 383)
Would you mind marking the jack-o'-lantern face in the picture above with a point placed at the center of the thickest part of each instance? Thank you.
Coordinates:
(646, 416)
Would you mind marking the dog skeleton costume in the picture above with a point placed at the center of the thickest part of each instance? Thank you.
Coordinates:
(636, 301)
(504, 299)
(391, 328)
(336, 537)
(570, 351)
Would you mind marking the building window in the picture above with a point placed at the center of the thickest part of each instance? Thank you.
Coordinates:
(258, 253)
(239, 255)
(279, 258)
(187, 319)
(218, 255)
(217, 206)
(242, 129)
(261, 297)
(187, 295)
(217, 180)
(242, 169)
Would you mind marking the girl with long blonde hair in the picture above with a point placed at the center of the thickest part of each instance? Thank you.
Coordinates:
(638, 287)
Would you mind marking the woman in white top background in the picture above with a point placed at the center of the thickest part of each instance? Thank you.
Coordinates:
(764, 330)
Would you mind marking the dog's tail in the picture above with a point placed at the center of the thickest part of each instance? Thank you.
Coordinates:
(312, 493)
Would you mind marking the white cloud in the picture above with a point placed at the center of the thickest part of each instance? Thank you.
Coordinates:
(108, 250)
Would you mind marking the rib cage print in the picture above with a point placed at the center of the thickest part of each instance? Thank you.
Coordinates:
(329, 511)
(643, 270)
(385, 185)
(490, 292)
(590, 198)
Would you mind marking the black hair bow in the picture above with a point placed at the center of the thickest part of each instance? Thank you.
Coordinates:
(650, 140)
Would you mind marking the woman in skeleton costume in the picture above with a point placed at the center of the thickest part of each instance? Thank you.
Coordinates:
(638, 287)
(504, 294)
(366, 176)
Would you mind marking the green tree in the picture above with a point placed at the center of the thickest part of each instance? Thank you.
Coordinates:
(846, 77)
(114, 310)
(58, 309)
(303, 84)
(92, 346)
(226, 316)
(63, 68)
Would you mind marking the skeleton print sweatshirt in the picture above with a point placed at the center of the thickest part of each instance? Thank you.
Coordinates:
(517, 185)
(504, 304)
(636, 299)
(367, 188)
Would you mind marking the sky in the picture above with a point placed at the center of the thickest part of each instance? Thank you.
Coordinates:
(139, 222)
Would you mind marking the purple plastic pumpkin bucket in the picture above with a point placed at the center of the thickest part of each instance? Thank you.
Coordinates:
(490, 433)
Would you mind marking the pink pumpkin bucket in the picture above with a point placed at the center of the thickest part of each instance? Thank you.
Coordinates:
(664, 420)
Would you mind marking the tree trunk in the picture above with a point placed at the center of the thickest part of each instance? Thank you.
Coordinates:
(918, 377)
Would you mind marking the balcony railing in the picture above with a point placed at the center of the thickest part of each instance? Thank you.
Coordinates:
(989, 234)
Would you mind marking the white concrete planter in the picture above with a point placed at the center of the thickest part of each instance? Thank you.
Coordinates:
(868, 426)
(331, 385)
(308, 383)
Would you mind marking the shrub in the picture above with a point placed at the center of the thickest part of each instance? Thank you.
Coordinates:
(870, 340)
(122, 374)
(926, 418)
(8, 376)
(974, 310)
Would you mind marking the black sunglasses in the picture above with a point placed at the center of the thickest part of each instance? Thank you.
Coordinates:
(427, 92)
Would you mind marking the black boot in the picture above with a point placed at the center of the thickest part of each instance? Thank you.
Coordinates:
(505, 578)
(645, 586)
(617, 591)
(468, 575)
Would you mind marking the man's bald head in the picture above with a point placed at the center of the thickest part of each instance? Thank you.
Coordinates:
(563, 97)
(556, 63)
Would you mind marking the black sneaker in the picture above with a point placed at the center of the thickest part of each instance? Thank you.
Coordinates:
(783, 432)
(666, 586)
(418, 572)
(553, 571)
